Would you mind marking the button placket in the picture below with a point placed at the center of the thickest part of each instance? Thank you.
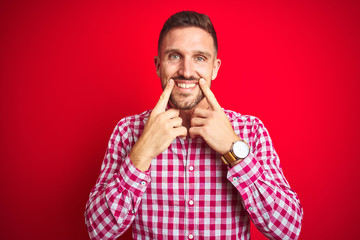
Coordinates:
(191, 176)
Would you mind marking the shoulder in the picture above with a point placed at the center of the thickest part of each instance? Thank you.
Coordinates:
(134, 123)
(128, 129)
(244, 120)
(249, 128)
(134, 120)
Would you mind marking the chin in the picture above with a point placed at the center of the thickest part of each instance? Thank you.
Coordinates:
(182, 104)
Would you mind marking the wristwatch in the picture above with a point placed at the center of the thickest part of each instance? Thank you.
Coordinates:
(239, 150)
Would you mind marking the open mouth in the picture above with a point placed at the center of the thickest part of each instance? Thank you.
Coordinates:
(185, 85)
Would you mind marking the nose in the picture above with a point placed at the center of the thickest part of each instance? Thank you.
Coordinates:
(187, 68)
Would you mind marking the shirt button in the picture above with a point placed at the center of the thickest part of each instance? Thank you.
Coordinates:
(191, 168)
(133, 211)
(191, 236)
(235, 179)
(143, 183)
(191, 202)
(250, 208)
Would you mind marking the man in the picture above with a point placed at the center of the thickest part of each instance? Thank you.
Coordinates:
(189, 169)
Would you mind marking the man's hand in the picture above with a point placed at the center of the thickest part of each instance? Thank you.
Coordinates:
(212, 124)
(160, 130)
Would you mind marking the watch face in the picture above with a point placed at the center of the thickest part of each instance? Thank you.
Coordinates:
(241, 149)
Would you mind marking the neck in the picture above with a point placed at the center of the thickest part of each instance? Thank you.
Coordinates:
(186, 117)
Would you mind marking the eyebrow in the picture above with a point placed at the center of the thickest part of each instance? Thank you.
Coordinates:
(205, 53)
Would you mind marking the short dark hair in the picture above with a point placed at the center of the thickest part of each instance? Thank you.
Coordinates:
(188, 19)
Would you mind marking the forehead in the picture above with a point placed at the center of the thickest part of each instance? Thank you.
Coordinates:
(188, 39)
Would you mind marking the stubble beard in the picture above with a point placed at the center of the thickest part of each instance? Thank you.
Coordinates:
(182, 103)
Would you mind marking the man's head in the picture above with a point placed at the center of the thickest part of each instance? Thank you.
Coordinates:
(188, 19)
(187, 51)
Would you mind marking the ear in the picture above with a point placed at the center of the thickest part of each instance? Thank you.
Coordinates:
(157, 65)
(217, 64)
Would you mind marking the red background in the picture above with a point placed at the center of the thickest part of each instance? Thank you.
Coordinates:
(70, 71)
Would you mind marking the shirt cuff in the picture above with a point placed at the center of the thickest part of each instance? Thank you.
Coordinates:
(133, 179)
(246, 172)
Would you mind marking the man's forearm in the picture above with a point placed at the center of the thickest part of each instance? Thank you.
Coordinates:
(114, 204)
(272, 205)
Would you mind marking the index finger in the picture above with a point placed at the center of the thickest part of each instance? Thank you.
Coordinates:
(209, 95)
(164, 97)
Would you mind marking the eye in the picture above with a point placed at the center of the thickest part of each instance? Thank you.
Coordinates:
(200, 59)
(174, 57)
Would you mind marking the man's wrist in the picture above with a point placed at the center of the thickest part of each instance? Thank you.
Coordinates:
(239, 151)
(229, 144)
(140, 160)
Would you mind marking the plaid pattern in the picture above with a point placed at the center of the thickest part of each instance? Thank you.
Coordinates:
(188, 193)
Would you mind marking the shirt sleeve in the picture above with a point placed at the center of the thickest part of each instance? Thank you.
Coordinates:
(114, 200)
(272, 205)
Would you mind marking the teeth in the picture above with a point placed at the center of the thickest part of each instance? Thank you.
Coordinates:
(184, 85)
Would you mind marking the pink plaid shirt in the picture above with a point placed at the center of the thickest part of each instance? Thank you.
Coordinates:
(188, 193)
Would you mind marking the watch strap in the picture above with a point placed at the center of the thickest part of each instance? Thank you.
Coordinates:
(228, 158)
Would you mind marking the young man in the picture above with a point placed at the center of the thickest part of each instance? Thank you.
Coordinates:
(189, 169)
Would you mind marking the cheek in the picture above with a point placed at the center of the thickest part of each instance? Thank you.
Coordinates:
(168, 69)
(205, 71)
(163, 81)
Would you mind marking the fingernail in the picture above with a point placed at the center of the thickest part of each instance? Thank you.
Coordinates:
(202, 81)
(171, 81)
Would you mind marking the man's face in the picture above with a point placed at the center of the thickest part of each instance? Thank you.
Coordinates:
(186, 55)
